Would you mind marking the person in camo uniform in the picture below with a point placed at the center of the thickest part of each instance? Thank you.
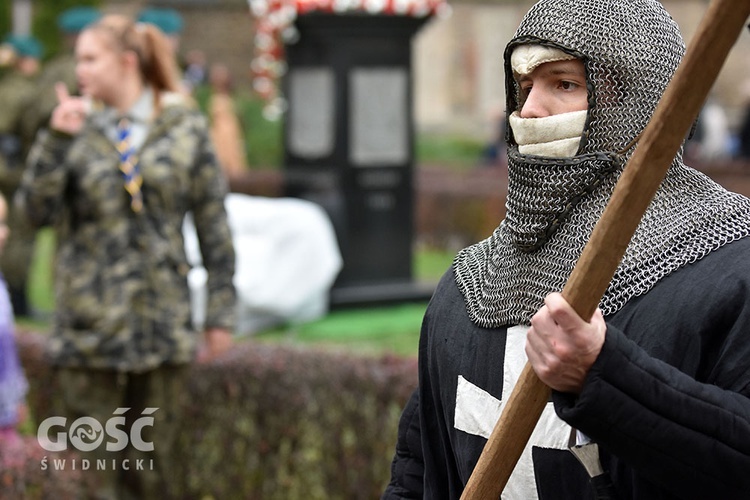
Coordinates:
(122, 334)
(17, 94)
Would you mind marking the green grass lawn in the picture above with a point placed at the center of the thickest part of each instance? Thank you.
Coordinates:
(374, 330)
(377, 329)
(41, 294)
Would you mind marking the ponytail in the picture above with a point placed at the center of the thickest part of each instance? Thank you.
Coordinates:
(158, 64)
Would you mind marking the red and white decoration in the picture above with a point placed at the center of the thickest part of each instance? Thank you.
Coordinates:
(275, 26)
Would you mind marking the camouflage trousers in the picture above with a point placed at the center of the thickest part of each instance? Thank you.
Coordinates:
(143, 467)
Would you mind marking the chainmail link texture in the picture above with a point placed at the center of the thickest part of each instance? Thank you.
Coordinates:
(630, 50)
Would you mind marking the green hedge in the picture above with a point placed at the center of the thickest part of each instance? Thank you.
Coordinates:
(273, 421)
(22, 476)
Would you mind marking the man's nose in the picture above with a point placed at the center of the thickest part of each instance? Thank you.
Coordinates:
(535, 105)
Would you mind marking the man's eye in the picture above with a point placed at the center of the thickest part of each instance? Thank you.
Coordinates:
(568, 85)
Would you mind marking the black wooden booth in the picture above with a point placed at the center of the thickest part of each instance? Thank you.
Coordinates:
(349, 145)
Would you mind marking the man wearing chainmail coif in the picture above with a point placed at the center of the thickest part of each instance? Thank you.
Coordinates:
(659, 377)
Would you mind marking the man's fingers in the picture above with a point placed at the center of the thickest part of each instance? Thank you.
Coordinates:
(562, 312)
(61, 90)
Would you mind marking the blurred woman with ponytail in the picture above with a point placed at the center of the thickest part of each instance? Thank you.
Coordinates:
(116, 173)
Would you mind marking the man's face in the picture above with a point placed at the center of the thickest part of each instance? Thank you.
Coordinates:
(553, 88)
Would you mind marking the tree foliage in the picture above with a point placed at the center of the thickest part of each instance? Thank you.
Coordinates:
(44, 22)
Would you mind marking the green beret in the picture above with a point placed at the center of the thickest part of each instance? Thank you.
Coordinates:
(168, 21)
(73, 20)
(25, 46)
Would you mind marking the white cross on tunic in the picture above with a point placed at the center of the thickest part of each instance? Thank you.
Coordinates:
(477, 412)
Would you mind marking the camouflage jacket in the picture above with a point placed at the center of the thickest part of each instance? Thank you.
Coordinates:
(17, 93)
(122, 299)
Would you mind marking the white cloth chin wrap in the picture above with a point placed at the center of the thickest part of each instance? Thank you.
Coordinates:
(526, 58)
(556, 136)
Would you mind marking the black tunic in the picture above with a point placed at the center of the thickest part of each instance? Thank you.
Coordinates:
(668, 399)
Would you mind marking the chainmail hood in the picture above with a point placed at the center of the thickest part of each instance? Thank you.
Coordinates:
(630, 50)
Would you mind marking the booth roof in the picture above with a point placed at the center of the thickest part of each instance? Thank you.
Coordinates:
(274, 27)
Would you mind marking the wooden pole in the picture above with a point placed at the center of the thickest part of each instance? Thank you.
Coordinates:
(657, 147)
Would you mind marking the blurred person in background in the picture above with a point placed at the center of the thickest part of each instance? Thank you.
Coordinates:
(226, 129)
(743, 132)
(711, 140)
(13, 384)
(195, 69)
(17, 95)
(115, 175)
